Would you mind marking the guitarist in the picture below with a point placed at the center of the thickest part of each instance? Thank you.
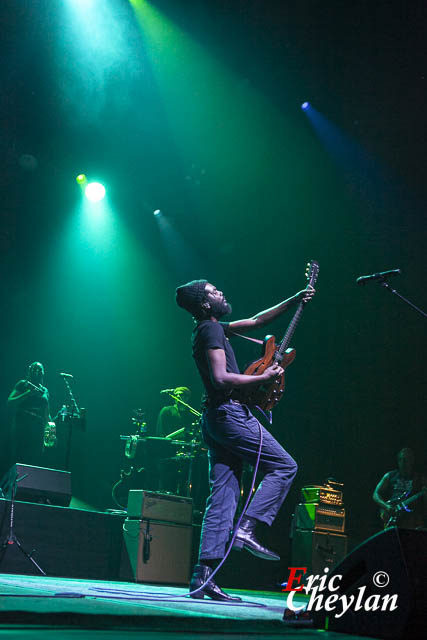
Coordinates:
(231, 432)
(402, 482)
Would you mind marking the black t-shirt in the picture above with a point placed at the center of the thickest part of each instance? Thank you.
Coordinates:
(35, 405)
(400, 486)
(415, 514)
(212, 335)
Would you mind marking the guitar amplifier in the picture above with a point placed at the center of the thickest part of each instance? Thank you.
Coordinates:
(151, 505)
(320, 517)
(325, 495)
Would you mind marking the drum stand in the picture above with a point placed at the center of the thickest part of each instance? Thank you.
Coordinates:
(11, 537)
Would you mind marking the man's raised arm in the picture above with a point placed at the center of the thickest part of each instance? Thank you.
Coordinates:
(265, 317)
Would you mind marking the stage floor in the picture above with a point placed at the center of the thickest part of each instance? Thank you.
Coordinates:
(39, 607)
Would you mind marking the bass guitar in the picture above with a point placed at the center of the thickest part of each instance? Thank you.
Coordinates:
(267, 395)
(399, 508)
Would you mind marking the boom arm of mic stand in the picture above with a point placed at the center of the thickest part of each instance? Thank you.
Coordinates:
(175, 433)
(72, 398)
(385, 284)
(187, 406)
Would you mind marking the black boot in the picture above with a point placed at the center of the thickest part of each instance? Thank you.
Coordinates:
(245, 539)
(201, 573)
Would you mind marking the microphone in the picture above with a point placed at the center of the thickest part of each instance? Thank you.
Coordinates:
(378, 276)
(66, 375)
(167, 390)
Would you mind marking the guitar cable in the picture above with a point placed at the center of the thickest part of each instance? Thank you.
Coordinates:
(236, 528)
(123, 594)
(172, 597)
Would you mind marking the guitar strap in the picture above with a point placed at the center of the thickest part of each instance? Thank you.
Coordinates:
(245, 337)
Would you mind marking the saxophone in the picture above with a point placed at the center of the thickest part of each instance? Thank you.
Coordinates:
(49, 435)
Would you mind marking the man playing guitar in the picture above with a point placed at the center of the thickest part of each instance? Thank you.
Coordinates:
(395, 491)
(231, 432)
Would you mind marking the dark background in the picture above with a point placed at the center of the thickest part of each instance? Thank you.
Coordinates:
(196, 111)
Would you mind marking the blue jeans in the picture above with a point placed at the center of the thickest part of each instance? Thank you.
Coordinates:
(232, 434)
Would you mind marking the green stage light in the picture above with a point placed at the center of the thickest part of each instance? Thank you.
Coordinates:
(95, 191)
(81, 178)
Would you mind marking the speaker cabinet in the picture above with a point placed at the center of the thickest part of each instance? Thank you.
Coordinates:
(391, 562)
(38, 484)
(150, 505)
(157, 551)
(317, 550)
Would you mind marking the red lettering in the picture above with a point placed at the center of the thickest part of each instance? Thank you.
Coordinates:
(294, 578)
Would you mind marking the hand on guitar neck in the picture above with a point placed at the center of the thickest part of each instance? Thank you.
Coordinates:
(305, 295)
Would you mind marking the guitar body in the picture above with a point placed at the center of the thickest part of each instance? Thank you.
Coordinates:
(400, 509)
(267, 395)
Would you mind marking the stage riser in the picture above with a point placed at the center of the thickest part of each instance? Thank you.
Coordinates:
(69, 543)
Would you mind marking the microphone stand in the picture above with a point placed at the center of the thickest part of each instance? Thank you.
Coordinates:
(11, 537)
(190, 409)
(385, 284)
(175, 433)
(75, 414)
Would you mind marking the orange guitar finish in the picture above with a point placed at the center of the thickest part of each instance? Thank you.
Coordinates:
(268, 394)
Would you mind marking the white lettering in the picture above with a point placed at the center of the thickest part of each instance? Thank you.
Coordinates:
(310, 581)
(346, 605)
(290, 602)
(387, 599)
(359, 604)
(323, 579)
(315, 599)
(330, 601)
(331, 583)
(374, 606)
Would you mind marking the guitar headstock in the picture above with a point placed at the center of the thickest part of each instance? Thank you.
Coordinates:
(312, 272)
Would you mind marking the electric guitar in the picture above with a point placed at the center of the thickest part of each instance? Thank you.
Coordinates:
(267, 395)
(399, 508)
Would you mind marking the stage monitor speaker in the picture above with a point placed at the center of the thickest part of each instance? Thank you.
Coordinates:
(391, 562)
(156, 551)
(46, 486)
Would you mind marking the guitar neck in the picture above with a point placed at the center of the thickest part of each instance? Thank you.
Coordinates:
(412, 498)
(290, 332)
(312, 273)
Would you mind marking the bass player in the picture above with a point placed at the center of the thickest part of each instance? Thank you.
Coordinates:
(232, 433)
(398, 485)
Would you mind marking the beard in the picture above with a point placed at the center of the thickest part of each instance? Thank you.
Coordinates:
(219, 309)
